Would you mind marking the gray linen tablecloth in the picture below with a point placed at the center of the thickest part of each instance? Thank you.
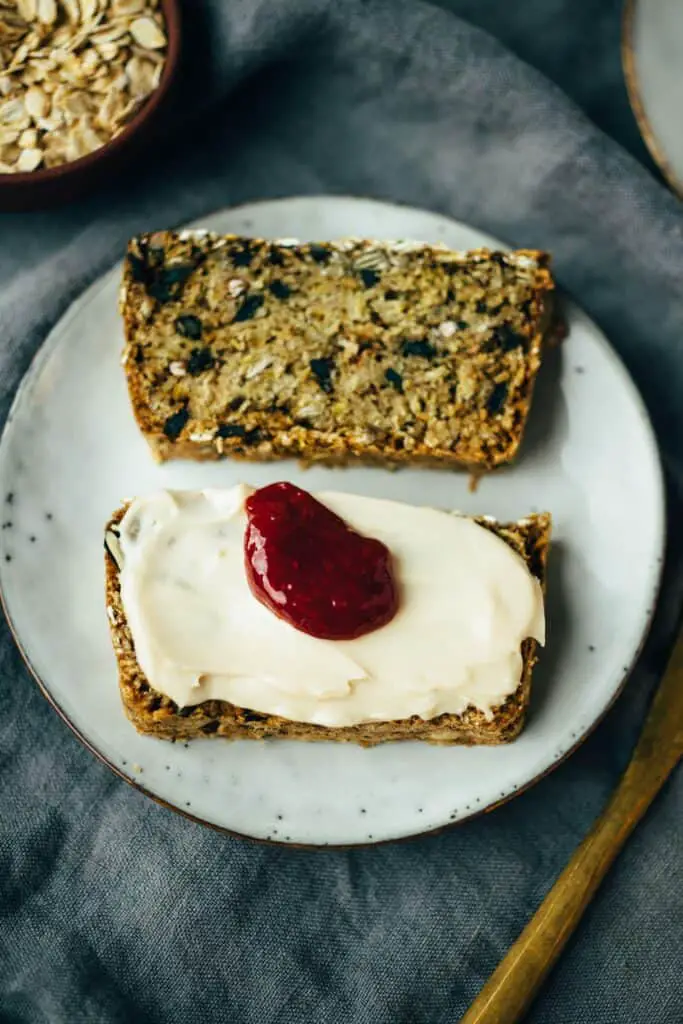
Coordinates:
(115, 910)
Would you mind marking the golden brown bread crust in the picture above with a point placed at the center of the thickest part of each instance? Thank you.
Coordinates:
(155, 714)
(332, 351)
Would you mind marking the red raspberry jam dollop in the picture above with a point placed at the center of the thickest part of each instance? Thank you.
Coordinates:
(309, 568)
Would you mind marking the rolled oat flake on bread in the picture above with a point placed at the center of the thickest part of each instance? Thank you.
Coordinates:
(332, 351)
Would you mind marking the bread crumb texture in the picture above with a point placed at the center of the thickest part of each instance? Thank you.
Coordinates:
(330, 351)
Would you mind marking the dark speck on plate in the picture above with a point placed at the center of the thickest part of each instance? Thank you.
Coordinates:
(9, 497)
(8, 558)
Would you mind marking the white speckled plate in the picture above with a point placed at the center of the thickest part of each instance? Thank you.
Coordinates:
(652, 50)
(71, 452)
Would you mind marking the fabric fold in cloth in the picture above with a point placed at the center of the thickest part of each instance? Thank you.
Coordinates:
(114, 909)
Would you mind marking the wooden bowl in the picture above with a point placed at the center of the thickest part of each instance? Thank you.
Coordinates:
(71, 181)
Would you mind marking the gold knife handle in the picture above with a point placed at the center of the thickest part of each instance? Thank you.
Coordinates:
(511, 988)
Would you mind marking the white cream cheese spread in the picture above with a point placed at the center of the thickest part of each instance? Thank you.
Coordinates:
(467, 601)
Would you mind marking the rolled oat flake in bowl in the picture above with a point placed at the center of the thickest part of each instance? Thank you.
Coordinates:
(73, 73)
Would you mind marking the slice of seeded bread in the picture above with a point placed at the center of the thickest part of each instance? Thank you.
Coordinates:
(384, 352)
(153, 713)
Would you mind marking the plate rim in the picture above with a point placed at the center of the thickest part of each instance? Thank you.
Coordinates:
(661, 512)
(633, 89)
